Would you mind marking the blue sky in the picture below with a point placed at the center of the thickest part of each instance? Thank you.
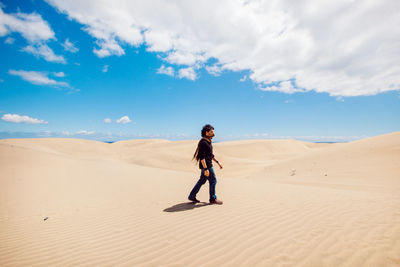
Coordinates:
(67, 70)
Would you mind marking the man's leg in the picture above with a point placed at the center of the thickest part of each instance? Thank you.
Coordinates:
(198, 185)
(212, 179)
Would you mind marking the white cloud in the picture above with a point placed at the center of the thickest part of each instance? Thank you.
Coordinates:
(340, 99)
(108, 48)
(38, 78)
(187, 73)
(44, 134)
(158, 41)
(107, 120)
(42, 50)
(9, 40)
(124, 120)
(70, 47)
(15, 118)
(345, 48)
(325, 138)
(34, 29)
(105, 68)
(184, 58)
(166, 70)
(214, 70)
(31, 26)
(85, 132)
(67, 133)
(59, 74)
(243, 79)
(284, 86)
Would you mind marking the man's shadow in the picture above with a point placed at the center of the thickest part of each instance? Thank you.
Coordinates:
(186, 206)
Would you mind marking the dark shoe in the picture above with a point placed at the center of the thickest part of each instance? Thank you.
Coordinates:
(216, 201)
(194, 199)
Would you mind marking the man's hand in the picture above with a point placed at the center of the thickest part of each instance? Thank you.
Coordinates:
(220, 166)
(206, 173)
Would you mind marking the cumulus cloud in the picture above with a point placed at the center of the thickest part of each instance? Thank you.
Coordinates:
(9, 40)
(284, 86)
(85, 132)
(214, 70)
(67, 133)
(45, 134)
(37, 77)
(31, 26)
(124, 120)
(107, 48)
(15, 118)
(70, 47)
(340, 99)
(59, 74)
(166, 70)
(34, 29)
(184, 58)
(345, 48)
(187, 73)
(107, 120)
(44, 51)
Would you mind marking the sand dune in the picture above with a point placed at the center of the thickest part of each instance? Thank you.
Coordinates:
(286, 203)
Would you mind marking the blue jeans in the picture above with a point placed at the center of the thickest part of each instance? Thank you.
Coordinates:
(211, 179)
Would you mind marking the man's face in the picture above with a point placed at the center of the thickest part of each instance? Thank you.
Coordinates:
(210, 133)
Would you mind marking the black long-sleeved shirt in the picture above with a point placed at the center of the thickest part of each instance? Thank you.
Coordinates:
(205, 152)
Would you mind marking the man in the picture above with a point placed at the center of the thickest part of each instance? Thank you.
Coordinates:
(204, 155)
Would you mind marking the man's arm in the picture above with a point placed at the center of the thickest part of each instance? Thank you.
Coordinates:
(202, 155)
(203, 162)
(220, 166)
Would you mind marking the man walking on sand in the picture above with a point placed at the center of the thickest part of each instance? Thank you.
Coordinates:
(204, 155)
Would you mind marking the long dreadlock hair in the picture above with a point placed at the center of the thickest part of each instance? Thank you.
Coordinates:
(205, 129)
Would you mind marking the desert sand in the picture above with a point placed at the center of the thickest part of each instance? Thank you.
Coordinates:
(72, 202)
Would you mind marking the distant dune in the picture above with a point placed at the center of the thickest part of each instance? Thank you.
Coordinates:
(286, 203)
